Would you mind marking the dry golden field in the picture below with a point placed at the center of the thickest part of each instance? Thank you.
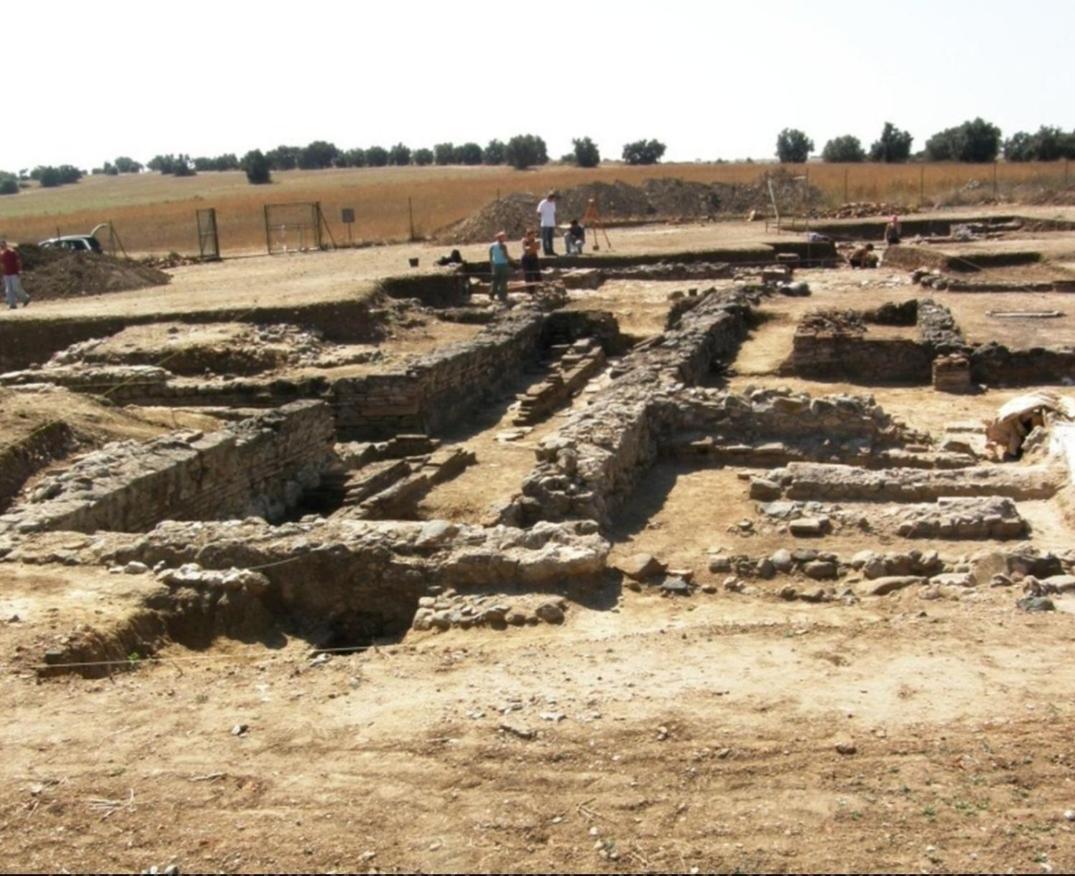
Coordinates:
(154, 213)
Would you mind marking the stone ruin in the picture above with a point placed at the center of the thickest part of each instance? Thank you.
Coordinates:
(303, 510)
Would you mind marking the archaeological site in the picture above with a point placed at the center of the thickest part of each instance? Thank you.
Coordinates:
(707, 552)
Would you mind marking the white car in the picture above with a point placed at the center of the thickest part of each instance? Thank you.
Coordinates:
(73, 243)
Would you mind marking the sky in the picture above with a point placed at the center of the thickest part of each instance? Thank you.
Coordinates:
(709, 79)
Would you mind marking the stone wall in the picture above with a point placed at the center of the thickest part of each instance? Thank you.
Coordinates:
(440, 388)
(20, 459)
(258, 467)
(32, 340)
(835, 345)
(829, 482)
(996, 365)
(593, 463)
(356, 579)
(428, 393)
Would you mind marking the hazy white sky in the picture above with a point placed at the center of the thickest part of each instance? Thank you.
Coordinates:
(710, 79)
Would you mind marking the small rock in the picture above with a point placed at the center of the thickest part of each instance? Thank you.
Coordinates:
(1069, 814)
(240, 729)
(550, 612)
(135, 568)
(733, 585)
(809, 527)
(719, 564)
(846, 747)
(676, 586)
(820, 570)
(782, 560)
(520, 732)
(639, 567)
(1036, 604)
(789, 593)
(1059, 584)
(892, 583)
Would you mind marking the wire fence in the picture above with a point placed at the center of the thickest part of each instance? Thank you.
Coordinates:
(414, 207)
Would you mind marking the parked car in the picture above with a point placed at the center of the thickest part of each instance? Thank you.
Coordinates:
(73, 243)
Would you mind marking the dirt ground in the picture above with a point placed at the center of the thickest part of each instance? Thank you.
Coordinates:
(721, 732)
(23, 412)
(674, 735)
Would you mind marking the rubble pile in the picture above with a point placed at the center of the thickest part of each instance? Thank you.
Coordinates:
(54, 273)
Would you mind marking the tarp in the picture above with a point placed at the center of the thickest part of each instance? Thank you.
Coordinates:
(1018, 416)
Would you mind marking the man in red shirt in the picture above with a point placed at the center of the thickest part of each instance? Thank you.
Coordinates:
(12, 267)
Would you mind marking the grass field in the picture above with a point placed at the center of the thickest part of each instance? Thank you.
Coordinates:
(154, 213)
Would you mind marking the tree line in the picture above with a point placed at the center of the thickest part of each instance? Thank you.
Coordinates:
(521, 151)
(974, 141)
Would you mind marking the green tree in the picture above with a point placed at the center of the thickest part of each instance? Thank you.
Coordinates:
(1047, 144)
(257, 167)
(164, 164)
(127, 165)
(843, 149)
(793, 146)
(283, 157)
(352, 158)
(494, 152)
(399, 155)
(643, 152)
(376, 156)
(586, 153)
(526, 150)
(9, 183)
(183, 166)
(444, 153)
(975, 141)
(423, 157)
(468, 153)
(894, 147)
(318, 155)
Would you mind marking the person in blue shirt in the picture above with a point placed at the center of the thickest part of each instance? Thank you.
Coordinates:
(500, 262)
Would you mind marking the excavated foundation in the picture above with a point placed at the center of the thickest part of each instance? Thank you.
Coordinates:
(305, 513)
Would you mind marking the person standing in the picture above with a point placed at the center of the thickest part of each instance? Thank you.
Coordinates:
(531, 262)
(893, 231)
(500, 262)
(11, 265)
(547, 211)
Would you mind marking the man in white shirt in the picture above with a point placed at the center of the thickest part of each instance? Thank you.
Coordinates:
(547, 211)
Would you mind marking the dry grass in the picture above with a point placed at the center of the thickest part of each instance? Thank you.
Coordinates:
(156, 214)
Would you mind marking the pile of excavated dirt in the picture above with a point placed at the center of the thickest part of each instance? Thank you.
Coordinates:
(52, 273)
(659, 199)
(1062, 196)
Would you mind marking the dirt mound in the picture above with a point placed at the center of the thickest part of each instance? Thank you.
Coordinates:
(663, 198)
(51, 273)
(1062, 196)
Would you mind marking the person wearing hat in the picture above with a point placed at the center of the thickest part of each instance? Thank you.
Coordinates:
(500, 262)
(12, 267)
(547, 211)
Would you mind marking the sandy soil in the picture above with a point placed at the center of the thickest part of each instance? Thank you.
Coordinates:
(23, 412)
(645, 734)
(695, 733)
